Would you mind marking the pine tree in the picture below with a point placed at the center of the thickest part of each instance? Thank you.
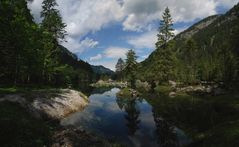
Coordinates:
(164, 64)
(165, 29)
(130, 67)
(120, 65)
(52, 20)
(53, 31)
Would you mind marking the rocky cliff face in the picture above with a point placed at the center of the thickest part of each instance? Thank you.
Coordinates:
(197, 27)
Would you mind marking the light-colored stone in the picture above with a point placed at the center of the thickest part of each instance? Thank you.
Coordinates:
(66, 102)
(54, 106)
(172, 83)
(172, 94)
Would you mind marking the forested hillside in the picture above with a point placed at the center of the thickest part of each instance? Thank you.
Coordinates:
(207, 51)
(101, 72)
(31, 54)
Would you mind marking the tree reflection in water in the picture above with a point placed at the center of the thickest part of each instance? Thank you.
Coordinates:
(132, 113)
(166, 133)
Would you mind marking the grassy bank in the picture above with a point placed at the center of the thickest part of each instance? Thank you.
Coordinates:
(19, 128)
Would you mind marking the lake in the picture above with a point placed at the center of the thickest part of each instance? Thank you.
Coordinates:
(128, 121)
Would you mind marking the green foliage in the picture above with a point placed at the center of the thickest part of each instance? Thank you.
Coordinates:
(206, 54)
(131, 67)
(30, 53)
(120, 65)
(165, 29)
(162, 68)
(52, 21)
(124, 93)
(18, 128)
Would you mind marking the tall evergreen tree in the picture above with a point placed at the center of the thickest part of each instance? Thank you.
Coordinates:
(120, 65)
(54, 31)
(165, 29)
(164, 66)
(130, 67)
(52, 20)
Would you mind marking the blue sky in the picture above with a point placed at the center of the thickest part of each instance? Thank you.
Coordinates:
(102, 31)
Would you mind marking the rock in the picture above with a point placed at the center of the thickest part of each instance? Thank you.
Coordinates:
(199, 88)
(208, 89)
(172, 83)
(57, 107)
(172, 94)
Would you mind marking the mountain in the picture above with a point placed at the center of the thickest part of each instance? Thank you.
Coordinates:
(216, 38)
(213, 31)
(71, 59)
(101, 70)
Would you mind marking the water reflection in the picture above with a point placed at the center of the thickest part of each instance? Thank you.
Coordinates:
(166, 133)
(132, 113)
(132, 122)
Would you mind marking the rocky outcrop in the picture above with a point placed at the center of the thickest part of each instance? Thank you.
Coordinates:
(62, 104)
(50, 104)
(200, 89)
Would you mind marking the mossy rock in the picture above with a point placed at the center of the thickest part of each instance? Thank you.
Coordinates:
(128, 93)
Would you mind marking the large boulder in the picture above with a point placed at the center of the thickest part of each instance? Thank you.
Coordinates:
(61, 104)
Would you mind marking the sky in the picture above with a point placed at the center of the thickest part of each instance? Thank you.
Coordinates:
(102, 31)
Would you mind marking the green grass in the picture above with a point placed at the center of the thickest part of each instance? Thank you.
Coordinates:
(30, 93)
(163, 89)
(19, 128)
(125, 92)
(10, 90)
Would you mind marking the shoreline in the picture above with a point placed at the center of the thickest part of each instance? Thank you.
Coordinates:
(49, 107)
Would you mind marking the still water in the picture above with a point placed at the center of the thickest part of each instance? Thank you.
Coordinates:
(128, 121)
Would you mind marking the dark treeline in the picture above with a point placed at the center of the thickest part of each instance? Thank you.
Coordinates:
(31, 53)
(208, 51)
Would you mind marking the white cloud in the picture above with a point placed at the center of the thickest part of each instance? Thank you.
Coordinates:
(95, 58)
(115, 52)
(87, 16)
(35, 7)
(112, 54)
(76, 46)
(146, 40)
(141, 13)
(84, 16)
